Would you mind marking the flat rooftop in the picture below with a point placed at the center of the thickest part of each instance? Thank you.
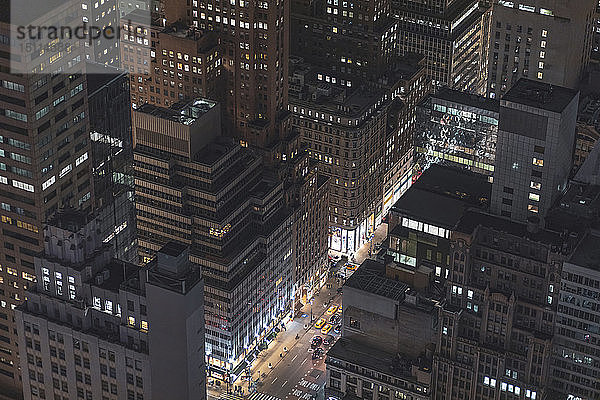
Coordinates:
(456, 96)
(173, 249)
(587, 254)
(442, 194)
(540, 95)
(473, 218)
(185, 113)
(374, 359)
(211, 153)
(370, 277)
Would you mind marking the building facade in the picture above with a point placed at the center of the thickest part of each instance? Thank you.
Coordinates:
(459, 129)
(44, 152)
(533, 40)
(368, 362)
(356, 134)
(93, 325)
(449, 33)
(216, 197)
(497, 324)
(534, 153)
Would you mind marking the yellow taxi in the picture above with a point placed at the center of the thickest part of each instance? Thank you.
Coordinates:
(331, 310)
(320, 323)
(352, 267)
(326, 329)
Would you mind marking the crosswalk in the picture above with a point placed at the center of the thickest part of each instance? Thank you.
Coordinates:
(262, 396)
(230, 396)
(309, 385)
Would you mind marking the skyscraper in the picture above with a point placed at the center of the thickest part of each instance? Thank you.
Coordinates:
(536, 135)
(535, 40)
(209, 193)
(449, 33)
(94, 325)
(44, 152)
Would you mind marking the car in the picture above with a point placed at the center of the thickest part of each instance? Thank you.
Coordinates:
(336, 258)
(328, 340)
(325, 330)
(317, 353)
(339, 311)
(316, 341)
(338, 328)
(335, 319)
(320, 323)
(331, 309)
(352, 267)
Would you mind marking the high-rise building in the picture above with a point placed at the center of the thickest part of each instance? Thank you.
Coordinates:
(535, 40)
(357, 132)
(456, 128)
(534, 152)
(255, 40)
(112, 157)
(449, 33)
(93, 325)
(178, 63)
(346, 40)
(497, 324)
(44, 152)
(216, 197)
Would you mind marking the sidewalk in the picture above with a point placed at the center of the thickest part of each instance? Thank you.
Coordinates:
(285, 339)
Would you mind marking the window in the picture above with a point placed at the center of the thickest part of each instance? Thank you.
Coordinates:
(540, 75)
(535, 185)
(532, 208)
(534, 196)
(544, 33)
(538, 162)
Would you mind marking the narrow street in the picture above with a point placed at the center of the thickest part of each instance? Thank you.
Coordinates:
(293, 374)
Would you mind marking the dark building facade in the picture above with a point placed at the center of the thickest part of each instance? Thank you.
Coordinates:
(534, 152)
(216, 197)
(449, 33)
(44, 165)
(93, 325)
(534, 40)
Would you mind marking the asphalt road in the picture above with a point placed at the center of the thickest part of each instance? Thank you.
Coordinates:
(296, 375)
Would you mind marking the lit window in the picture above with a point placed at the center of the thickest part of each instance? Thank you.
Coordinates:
(549, 299)
(532, 208)
(542, 54)
(144, 325)
(541, 65)
(543, 44)
(534, 196)
(540, 75)
(535, 185)
(538, 161)
(544, 33)
(131, 321)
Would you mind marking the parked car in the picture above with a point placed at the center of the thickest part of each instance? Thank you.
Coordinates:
(317, 353)
(328, 340)
(338, 328)
(316, 341)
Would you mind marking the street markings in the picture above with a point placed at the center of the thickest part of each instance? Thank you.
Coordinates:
(230, 396)
(262, 396)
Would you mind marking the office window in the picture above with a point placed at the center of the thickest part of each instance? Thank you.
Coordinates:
(538, 162)
(534, 196)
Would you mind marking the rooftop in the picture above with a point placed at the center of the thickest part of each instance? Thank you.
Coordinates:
(442, 194)
(114, 274)
(587, 254)
(456, 96)
(213, 151)
(371, 358)
(173, 249)
(540, 95)
(473, 218)
(185, 113)
(370, 277)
